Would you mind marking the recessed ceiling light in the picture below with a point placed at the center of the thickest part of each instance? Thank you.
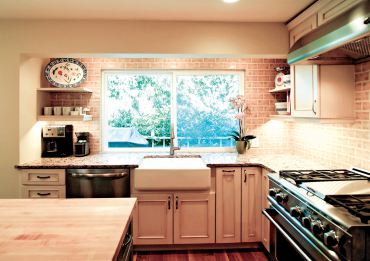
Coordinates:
(230, 1)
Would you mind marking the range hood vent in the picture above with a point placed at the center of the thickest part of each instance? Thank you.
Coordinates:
(345, 39)
(360, 47)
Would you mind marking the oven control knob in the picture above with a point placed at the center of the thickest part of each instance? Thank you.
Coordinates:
(296, 212)
(282, 198)
(317, 227)
(273, 192)
(306, 221)
(330, 238)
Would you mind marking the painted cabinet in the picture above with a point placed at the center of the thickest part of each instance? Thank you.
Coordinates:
(152, 219)
(306, 26)
(251, 204)
(305, 90)
(322, 91)
(180, 218)
(228, 205)
(194, 218)
(334, 8)
(238, 211)
(43, 183)
(265, 234)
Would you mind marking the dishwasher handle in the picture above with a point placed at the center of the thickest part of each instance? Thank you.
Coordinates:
(100, 175)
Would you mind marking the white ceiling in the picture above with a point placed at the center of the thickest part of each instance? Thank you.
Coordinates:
(175, 10)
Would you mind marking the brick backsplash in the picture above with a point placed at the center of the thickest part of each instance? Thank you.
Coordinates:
(259, 79)
(341, 145)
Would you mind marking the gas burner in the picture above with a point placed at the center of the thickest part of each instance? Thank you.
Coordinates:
(299, 176)
(357, 205)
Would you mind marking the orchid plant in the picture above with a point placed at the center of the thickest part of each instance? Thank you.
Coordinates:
(239, 103)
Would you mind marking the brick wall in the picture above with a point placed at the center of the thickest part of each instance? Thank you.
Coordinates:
(259, 79)
(340, 145)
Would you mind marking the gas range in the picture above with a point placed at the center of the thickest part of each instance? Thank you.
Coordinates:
(330, 209)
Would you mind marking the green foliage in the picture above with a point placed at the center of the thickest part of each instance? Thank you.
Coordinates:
(237, 137)
(147, 103)
(143, 101)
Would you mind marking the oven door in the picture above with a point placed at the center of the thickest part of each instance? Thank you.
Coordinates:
(288, 242)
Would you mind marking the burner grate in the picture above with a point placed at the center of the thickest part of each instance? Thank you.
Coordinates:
(357, 205)
(299, 176)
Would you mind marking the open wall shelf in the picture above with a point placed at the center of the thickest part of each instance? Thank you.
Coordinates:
(55, 89)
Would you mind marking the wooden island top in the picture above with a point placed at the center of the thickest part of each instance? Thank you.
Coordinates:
(63, 229)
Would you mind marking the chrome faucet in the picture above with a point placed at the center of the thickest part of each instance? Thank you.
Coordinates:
(172, 144)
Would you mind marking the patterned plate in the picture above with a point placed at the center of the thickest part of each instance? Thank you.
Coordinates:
(65, 72)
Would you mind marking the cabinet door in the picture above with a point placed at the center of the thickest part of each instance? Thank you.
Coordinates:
(304, 91)
(265, 204)
(194, 218)
(333, 9)
(302, 29)
(152, 219)
(251, 204)
(228, 205)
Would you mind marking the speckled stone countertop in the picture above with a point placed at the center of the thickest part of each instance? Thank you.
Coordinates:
(273, 162)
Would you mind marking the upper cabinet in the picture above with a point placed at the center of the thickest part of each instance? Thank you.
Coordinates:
(316, 15)
(302, 29)
(322, 91)
(334, 8)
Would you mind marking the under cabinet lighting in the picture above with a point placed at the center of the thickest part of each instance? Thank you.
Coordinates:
(230, 1)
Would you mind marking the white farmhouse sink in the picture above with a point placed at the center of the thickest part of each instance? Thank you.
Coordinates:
(165, 173)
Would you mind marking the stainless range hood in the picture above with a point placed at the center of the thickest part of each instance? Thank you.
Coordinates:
(346, 39)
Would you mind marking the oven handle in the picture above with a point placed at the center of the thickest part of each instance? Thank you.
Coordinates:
(100, 175)
(291, 241)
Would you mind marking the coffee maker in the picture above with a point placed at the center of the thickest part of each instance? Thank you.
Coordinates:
(82, 147)
(57, 141)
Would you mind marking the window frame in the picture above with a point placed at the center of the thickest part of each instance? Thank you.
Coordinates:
(174, 73)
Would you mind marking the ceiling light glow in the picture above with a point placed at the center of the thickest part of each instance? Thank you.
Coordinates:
(230, 1)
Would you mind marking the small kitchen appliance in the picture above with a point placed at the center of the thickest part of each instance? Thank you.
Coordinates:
(57, 141)
(319, 214)
(82, 147)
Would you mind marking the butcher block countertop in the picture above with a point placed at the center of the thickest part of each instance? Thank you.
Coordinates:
(63, 229)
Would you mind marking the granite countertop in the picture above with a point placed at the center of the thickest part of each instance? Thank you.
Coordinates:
(272, 162)
(63, 229)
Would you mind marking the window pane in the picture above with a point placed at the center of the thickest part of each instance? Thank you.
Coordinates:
(204, 115)
(138, 108)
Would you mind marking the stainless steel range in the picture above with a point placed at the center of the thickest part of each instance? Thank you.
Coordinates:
(320, 214)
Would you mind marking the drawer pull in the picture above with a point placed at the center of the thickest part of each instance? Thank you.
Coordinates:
(43, 177)
(228, 171)
(43, 194)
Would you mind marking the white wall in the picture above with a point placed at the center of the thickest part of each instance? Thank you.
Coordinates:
(21, 39)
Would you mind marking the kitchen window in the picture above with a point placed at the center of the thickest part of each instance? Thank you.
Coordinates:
(139, 108)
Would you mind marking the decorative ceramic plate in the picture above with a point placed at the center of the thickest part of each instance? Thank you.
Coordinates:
(65, 72)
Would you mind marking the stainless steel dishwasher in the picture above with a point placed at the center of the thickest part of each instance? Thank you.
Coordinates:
(98, 183)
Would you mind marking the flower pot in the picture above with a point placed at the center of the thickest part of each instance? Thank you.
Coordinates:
(241, 146)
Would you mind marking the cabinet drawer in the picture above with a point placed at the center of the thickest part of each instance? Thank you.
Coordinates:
(333, 9)
(43, 192)
(43, 177)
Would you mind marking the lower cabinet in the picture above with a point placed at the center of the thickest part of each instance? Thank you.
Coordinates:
(238, 201)
(43, 183)
(228, 205)
(251, 204)
(152, 219)
(265, 237)
(174, 218)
